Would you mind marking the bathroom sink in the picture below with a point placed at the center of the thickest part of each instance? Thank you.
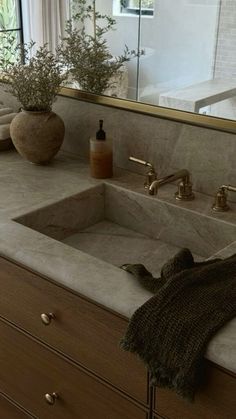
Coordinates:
(121, 226)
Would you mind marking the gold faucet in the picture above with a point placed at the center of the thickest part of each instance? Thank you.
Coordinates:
(151, 173)
(220, 204)
(184, 192)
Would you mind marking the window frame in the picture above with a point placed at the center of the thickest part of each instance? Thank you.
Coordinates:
(125, 9)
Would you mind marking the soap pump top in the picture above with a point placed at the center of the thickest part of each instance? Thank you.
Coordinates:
(101, 135)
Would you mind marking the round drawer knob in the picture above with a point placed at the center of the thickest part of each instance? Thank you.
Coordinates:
(51, 398)
(47, 318)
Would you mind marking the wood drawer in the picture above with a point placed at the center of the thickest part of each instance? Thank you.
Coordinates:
(10, 411)
(28, 370)
(217, 400)
(84, 331)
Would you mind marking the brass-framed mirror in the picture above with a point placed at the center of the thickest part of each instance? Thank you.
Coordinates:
(184, 55)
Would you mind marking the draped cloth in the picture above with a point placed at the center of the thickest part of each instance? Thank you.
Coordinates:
(171, 331)
(44, 21)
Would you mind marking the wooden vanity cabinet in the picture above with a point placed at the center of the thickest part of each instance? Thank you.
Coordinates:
(77, 354)
(216, 400)
(29, 371)
(82, 330)
(11, 411)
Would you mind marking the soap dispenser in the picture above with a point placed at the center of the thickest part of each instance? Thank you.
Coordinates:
(101, 155)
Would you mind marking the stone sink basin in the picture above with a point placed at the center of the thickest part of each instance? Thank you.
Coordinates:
(120, 226)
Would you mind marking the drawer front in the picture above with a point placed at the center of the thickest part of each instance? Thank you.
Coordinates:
(215, 401)
(28, 371)
(87, 333)
(10, 411)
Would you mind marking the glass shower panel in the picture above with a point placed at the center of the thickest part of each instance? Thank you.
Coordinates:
(124, 35)
(179, 47)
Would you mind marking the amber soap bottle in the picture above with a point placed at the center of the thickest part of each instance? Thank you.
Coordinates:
(101, 161)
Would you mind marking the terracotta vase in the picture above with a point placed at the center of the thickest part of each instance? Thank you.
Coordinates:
(37, 136)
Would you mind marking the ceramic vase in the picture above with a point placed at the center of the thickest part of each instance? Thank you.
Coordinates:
(37, 136)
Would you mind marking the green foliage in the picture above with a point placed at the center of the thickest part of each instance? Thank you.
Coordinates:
(8, 46)
(8, 14)
(145, 4)
(86, 54)
(8, 41)
(34, 81)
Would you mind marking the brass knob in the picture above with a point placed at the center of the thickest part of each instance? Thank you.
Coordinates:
(51, 398)
(47, 318)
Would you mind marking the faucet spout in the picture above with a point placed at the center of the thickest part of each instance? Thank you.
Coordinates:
(184, 187)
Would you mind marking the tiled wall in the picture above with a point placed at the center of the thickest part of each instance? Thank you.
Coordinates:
(226, 46)
(208, 154)
(225, 64)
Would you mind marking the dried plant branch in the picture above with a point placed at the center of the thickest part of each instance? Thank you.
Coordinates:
(34, 81)
(87, 56)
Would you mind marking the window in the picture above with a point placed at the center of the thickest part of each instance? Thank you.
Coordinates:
(11, 31)
(133, 7)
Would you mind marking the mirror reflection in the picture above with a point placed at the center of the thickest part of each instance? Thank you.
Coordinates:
(176, 54)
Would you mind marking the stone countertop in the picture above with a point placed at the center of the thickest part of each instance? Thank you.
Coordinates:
(25, 187)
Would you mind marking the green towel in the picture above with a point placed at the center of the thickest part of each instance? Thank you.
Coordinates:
(171, 331)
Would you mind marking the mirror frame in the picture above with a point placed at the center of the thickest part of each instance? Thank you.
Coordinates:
(190, 118)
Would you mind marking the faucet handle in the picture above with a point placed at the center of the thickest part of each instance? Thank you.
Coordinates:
(220, 204)
(151, 173)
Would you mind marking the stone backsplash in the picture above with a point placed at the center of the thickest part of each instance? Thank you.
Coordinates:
(208, 154)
